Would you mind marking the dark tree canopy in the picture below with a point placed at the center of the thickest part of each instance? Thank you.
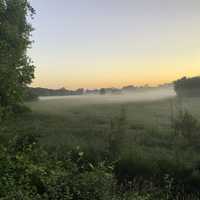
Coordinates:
(16, 68)
(188, 87)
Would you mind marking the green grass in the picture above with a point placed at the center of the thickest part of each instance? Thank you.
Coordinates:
(78, 122)
(73, 122)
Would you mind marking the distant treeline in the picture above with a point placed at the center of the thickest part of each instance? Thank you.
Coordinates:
(188, 87)
(33, 93)
(55, 92)
(184, 87)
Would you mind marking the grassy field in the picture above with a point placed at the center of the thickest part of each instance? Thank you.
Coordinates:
(77, 120)
(151, 113)
(136, 134)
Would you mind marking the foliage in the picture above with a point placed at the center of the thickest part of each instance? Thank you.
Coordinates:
(187, 87)
(29, 95)
(44, 172)
(16, 68)
(151, 162)
(28, 171)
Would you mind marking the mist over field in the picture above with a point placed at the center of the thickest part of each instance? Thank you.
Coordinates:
(125, 97)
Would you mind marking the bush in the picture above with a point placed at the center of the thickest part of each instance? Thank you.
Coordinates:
(28, 171)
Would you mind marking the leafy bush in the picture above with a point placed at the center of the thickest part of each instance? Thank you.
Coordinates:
(27, 171)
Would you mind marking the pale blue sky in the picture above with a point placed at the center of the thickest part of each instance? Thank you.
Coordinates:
(97, 43)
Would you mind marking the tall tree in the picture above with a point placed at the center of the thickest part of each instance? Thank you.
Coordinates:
(16, 68)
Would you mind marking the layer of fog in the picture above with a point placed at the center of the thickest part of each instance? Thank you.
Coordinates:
(150, 95)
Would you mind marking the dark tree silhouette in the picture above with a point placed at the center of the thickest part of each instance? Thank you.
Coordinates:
(187, 87)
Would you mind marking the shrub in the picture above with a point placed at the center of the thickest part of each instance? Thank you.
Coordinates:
(28, 171)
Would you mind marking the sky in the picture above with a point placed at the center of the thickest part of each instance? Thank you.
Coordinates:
(113, 43)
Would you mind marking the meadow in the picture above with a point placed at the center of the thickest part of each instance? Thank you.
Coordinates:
(137, 135)
(71, 119)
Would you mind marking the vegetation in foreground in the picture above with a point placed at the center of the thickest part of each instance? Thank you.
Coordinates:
(52, 156)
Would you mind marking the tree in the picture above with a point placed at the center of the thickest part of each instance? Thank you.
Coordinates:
(16, 68)
(188, 87)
